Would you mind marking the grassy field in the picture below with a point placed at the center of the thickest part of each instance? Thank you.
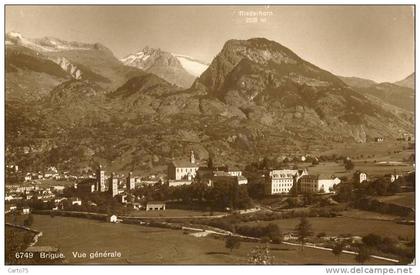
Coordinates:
(371, 168)
(380, 151)
(148, 245)
(16, 240)
(347, 225)
(367, 215)
(403, 199)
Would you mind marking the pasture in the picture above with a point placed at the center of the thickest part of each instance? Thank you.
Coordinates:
(346, 225)
(148, 245)
(404, 199)
(371, 168)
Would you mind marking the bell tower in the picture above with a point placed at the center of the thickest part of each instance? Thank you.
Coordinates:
(192, 158)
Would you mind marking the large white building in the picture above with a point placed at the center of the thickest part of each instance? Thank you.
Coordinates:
(183, 170)
(282, 181)
(317, 184)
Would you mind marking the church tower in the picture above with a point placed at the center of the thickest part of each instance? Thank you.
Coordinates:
(192, 158)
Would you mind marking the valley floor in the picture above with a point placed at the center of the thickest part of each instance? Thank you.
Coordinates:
(148, 245)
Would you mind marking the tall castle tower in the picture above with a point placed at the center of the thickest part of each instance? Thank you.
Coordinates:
(113, 185)
(100, 179)
(130, 184)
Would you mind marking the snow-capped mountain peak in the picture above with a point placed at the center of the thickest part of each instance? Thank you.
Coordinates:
(46, 44)
(192, 65)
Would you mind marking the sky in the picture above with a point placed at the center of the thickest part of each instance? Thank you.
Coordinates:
(373, 42)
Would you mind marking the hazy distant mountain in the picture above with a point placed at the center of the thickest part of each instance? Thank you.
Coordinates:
(176, 69)
(399, 96)
(408, 82)
(357, 82)
(35, 66)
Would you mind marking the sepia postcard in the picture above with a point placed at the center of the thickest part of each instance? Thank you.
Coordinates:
(209, 135)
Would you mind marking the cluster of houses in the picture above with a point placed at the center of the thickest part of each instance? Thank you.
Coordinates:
(17, 196)
(181, 172)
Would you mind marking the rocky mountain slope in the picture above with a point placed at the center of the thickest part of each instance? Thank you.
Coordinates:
(35, 66)
(399, 96)
(357, 82)
(257, 98)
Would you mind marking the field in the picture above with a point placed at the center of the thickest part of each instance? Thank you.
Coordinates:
(16, 240)
(148, 245)
(364, 156)
(382, 151)
(403, 199)
(347, 225)
(371, 168)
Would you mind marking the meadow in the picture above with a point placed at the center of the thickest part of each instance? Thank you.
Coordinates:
(148, 245)
(404, 199)
(347, 225)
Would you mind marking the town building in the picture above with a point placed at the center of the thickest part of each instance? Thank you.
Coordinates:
(131, 182)
(235, 172)
(223, 176)
(182, 170)
(155, 205)
(282, 181)
(317, 183)
(112, 218)
(87, 186)
(379, 139)
(76, 201)
(392, 177)
(26, 210)
(51, 172)
(58, 188)
(28, 177)
(100, 179)
(360, 176)
(113, 185)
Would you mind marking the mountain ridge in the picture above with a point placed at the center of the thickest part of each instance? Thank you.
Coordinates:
(256, 98)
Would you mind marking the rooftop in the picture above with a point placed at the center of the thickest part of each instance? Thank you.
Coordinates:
(155, 202)
(184, 163)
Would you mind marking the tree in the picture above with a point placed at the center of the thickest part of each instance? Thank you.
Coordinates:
(345, 191)
(363, 254)
(394, 187)
(337, 250)
(303, 230)
(232, 242)
(260, 255)
(348, 164)
(273, 232)
(29, 220)
(210, 163)
(372, 240)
